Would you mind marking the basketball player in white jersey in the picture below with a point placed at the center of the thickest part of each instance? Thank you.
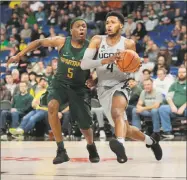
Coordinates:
(113, 91)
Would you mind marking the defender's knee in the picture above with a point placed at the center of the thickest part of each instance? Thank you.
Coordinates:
(53, 106)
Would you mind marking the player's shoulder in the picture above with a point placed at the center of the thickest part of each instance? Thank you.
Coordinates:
(129, 41)
(130, 44)
(97, 38)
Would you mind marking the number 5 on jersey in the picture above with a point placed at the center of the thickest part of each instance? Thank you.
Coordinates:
(70, 73)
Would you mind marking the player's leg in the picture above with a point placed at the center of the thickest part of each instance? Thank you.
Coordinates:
(54, 100)
(151, 142)
(119, 103)
(80, 111)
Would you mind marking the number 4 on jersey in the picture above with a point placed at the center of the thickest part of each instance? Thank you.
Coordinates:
(110, 67)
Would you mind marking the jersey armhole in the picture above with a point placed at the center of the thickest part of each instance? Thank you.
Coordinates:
(62, 46)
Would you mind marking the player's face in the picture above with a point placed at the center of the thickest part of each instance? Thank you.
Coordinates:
(113, 26)
(182, 74)
(79, 30)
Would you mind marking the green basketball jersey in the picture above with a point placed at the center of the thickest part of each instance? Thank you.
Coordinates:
(69, 71)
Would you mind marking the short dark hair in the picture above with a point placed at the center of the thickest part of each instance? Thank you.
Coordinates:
(148, 80)
(118, 15)
(146, 70)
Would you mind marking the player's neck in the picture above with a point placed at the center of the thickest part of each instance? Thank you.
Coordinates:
(77, 44)
(112, 40)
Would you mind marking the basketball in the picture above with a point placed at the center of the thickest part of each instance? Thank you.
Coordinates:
(130, 61)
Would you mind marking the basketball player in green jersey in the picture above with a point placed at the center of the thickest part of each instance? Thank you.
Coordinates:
(68, 85)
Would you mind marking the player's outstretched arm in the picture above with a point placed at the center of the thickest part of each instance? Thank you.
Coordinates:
(88, 62)
(47, 42)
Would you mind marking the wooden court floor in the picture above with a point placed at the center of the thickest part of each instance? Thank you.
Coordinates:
(33, 161)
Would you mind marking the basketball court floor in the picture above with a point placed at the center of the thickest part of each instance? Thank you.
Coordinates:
(33, 161)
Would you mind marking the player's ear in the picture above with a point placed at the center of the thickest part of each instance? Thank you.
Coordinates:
(71, 31)
(121, 26)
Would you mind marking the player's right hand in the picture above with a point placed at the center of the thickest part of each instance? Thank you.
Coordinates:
(15, 59)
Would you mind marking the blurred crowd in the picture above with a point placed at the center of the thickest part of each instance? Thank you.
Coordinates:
(159, 30)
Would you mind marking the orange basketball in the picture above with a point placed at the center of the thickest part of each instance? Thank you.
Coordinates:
(130, 61)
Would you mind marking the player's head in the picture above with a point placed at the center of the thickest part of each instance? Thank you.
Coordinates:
(114, 23)
(78, 29)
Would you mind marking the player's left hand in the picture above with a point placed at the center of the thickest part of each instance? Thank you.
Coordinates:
(90, 83)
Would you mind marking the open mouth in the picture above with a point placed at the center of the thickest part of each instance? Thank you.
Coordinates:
(109, 30)
(81, 34)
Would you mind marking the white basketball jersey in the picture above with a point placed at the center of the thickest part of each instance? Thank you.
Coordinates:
(109, 74)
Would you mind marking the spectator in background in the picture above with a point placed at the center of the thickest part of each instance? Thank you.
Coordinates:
(54, 62)
(100, 15)
(165, 53)
(16, 34)
(65, 23)
(29, 68)
(129, 26)
(88, 15)
(10, 85)
(177, 29)
(147, 106)
(22, 65)
(15, 76)
(178, 16)
(138, 18)
(146, 74)
(52, 32)
(24, 78)
(151, 21)
(140, 31)
(135, 94)
(36, 5)
(12, 41)
(32, 78)
(185, 60)
(49, 73)
(4, 43)
(182, 51)
(153, 53)
(162, 83)
(146, 39)
(35, 32)
(20, 106)
(161, 63)
(41, 85)
(26, 32)
(164, 19)
(177, 103)
(180, 38)
(5, 94)
(52, 19)
(38, 113)
(139, 47)
(40, 15)
(13, 22)
(39, 67)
